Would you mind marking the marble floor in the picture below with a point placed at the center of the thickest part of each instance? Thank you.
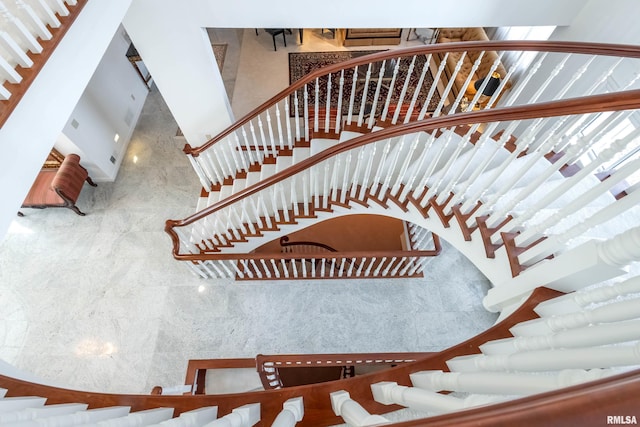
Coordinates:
(97, 302)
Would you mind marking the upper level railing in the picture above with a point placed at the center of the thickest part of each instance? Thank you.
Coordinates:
(30, 31)
(401, 86)
(443, 165)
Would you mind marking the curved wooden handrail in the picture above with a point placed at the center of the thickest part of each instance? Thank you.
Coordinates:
(621, 50)
(319, 255)
(318, 410)
(592, 104)
(284, 242)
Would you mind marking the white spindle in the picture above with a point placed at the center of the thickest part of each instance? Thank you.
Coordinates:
(410, 263)
(353, 94)
(390, 169)
(292, 412)
(580, 299)
(360, 266)
(38, 26)
(285, 267)
(327, 111)
(247, 145)
(305, 192)
(59, 7)
(351, 265)
(332, 267)
(374, 106)
(400, 263)
(339, 110)
(244, 416)
(403, 92)
(386, 270)
(296, 112)
(380, 264)
(316, 107)
(501, 383)
(288, 123)
(305, 121)
(390, 393)
(405, 165)
(368, 270)
(365, 89)
(15, 26)
(432, 89)
(364, 184)
(356, 174)
(591, 335)
(383, 158)
(49, 15)
(351, 411)
(391, 90)
(345, 178)
(274, 150)
(266, 270)
(341, 269)
(550, 360)
(447, 89)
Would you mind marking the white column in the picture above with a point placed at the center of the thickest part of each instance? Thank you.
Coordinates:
(352, 412)
(550, 360)
(244, 416)
(504, 383)
(389, 393)
(292, 412)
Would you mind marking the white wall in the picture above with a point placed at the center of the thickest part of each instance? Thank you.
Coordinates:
(110, 105)
(171, 39)
(31, 130)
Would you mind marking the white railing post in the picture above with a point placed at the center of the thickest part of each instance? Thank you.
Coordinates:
(550, 360)
(292, 412)
(502, 383)
(390, 393)
(580, 299)
(351, 411)
(244, 416)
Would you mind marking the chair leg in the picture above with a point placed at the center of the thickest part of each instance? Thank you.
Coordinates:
(256, 31)
(274, 42)
(285, 39)
(90, 182)
(76, 210)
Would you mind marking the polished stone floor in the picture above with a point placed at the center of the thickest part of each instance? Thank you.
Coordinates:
(97, 302)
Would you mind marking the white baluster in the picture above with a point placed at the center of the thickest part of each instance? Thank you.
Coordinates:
(580, 299)
(504, 383)
(386, 270)
(368, 270)
(365, 89)
(391, 168)
(374, 107)
(417, 89)
(244, 416)
(356, 174)
(59, 7)
(345, 178)
(390, 90)
(38, 26)
(383, 158)
(265, 147)
(353, 94)
(325, 185)
(285, 268)
(339, 109)
(360, 267)
(15, 27)
(377, 270)
(316, 107)
(274, 151)
(447, 89)
(306, 113)
(49, 15)
(591, 335)
(550, 360)
(467, 81)
(327, 112)
(296, 112)
(350, 269)
(351, 411)
(288, 123)
(247, 145)
(332, 267)
(267, 272)
(292, 412)
(405, 164)
(403, 92)
(408, 265)
(390, 393)
(364, 184)
(341, 269)
(432, 89)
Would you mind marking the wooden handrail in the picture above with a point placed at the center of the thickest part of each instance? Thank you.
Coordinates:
(591, 104)
(298, 255)
(39, 59)
(621, 50)
(318, 410)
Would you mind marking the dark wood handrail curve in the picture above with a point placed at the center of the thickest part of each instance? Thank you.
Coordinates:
(284, 242)
(625, 100)
(317, 404)
(620, 50)
(39, 59)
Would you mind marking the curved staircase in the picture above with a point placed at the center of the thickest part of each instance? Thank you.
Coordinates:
(506, 185)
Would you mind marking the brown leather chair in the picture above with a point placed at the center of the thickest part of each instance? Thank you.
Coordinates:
(59, 187)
